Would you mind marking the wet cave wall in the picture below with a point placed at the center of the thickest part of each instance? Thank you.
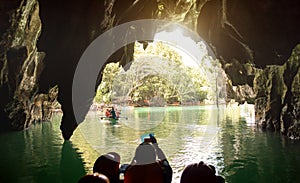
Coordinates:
(42, 42)
(257, 44)
(21, 64)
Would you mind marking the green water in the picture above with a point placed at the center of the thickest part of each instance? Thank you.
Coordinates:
(227, 139)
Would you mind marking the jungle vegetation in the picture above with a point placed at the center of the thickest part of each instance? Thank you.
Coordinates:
(159, 75)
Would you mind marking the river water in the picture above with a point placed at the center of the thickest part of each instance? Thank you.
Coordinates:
(226, 138)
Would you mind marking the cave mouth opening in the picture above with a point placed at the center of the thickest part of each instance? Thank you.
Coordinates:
(176, 37)
(163, 73)
(171, 69)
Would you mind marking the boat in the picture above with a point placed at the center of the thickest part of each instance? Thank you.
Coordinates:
(111, 115)
(111, 118)
(108, 118)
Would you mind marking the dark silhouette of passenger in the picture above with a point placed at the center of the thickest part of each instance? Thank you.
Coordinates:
(200, 173)
(149, 165)
(94, 178)
(108, 164)
(113, 113)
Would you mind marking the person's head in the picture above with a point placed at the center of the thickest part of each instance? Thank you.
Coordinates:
(198, 173)
(145, 154)
(108, 164)
(94, 178)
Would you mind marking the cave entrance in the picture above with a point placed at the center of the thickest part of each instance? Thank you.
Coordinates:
(173, 82)
(161, 91)
(163, 73)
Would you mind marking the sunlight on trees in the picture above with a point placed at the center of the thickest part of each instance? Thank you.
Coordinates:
(160, 75)
(104, 90)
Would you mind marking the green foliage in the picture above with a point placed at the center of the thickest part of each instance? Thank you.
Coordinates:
(104, 91)
(157, 76)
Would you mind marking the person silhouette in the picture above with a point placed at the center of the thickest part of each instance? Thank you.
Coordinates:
(148, 165)
(94, 178)
(200, 172)
(113, 113)
(108, 164)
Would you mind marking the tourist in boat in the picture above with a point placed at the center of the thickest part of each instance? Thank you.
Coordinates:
(108, 164)
(148, 165)
(107, 113)
(113, 113)
(200, 172)
(94, 178)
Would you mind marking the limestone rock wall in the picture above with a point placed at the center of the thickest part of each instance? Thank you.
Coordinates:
(254, 41)
(277, 100)
(293, 117)
(20, 65)
(290, 116)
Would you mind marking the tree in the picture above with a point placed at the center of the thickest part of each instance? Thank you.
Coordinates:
(104, 91)
(158, 72)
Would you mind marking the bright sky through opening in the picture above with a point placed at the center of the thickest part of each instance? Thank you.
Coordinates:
(191, 54)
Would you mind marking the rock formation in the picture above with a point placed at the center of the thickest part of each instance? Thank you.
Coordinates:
(21, 65)
(42, 42)
(277, 89)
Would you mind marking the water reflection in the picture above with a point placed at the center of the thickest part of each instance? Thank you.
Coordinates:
(71, 165)
(186, 134)
(221, 137)
(39, 154)
(250, 155)
(224, 137)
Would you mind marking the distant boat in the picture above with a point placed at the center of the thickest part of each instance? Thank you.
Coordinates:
(111, 118)
(108, 118)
